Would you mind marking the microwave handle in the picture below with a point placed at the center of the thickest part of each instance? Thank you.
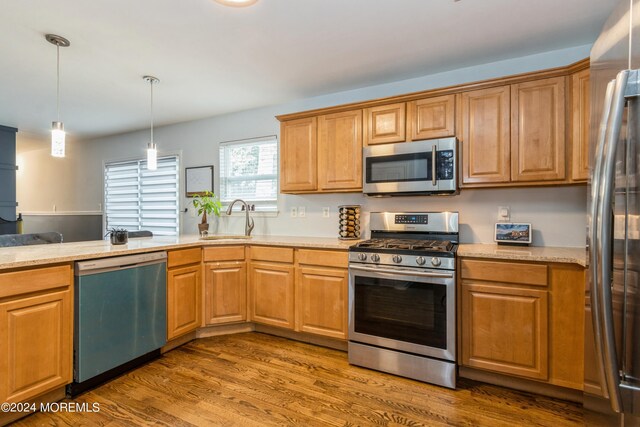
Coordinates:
(434, 178)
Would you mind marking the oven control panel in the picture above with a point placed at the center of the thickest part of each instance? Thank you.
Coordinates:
(412, 219)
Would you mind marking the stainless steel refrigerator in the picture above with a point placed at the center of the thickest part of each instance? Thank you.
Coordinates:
(612, 315)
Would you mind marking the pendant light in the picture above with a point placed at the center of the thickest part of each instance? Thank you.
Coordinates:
(152, 149)
(57, 127)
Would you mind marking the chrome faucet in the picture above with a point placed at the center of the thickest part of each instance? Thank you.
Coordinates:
(248, 226)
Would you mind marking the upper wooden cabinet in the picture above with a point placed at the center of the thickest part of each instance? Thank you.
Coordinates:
(340, 151)
(580, 117)
(431, 117)
(538, 130)
(385, 124)
(486, 134)
(298, 155)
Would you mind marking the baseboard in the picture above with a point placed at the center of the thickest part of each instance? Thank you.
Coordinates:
(521, 384)
(214, 331)
(177, 342)
(334, 343)
(50, 397)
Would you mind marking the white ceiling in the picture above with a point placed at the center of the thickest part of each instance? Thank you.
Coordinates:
(213, 59)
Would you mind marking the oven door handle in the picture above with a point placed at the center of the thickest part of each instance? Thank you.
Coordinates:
(405, 272)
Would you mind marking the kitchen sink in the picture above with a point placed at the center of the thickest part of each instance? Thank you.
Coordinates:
(225, 237)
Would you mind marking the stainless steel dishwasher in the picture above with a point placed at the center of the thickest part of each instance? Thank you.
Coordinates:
(120, 316)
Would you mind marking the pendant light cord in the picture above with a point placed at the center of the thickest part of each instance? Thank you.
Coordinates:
(58, 80)
(151, 81)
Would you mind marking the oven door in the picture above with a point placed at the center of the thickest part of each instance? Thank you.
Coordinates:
(411, 167)
(403, 309)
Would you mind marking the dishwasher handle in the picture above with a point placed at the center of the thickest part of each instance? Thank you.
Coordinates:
(125, 262)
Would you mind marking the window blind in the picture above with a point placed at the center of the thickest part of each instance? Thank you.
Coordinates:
(140, 199)
(249, 171)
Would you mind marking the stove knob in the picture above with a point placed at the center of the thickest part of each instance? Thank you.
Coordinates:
(420, 260)
(435, 261)
(397, 259)
(362, 257)
(375, 258)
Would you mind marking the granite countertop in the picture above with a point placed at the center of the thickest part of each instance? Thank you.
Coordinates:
(25, 256)
(526, 253)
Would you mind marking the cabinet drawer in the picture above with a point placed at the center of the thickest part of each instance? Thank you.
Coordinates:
(34, 280)
(224, 253)
(183, 257)
(496, 271)
(271, 253)
(338, 259)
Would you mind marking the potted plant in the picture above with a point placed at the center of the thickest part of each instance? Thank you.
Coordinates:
(118, 236)
(206, 203)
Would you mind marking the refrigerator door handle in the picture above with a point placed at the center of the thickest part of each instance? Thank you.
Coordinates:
(593, 237)
(605, 241)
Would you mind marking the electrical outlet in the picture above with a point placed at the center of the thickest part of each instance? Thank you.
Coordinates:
(325, 212)
(294, 212)
(504, 213)
(302, 211)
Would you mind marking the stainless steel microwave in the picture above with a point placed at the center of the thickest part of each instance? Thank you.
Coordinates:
(411, 168)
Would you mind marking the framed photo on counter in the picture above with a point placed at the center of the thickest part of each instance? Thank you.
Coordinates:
(198, 180)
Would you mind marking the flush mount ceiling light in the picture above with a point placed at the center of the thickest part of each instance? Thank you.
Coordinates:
(237, 3)
(152, 149)
(57, 127)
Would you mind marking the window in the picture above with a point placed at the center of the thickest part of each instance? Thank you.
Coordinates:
(139, 199)
(249, 171)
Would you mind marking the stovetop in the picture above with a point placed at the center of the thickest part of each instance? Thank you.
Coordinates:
(407, 244)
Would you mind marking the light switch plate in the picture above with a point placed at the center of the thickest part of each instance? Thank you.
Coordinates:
(326, 212)
(293, 212)
(302, 211)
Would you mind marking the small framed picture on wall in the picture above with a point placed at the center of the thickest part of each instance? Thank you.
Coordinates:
(198, 180)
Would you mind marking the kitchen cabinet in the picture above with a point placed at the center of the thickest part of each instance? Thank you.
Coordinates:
(538, 130)
(225, 285)
(431, 117)
(486, 134)
(36, 332)
(523, 319)
(385, 124)
(580, 120)
(340, 151)
(322, 283)
(298, 155)
(184, 291)
(272, 286)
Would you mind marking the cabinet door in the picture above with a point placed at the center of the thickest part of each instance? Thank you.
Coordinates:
(504, 329)
(385, 124)
(183, 300)
(340, 151)
(272, 294)
(580, 111)
(322, 295)
(298, 155)
(225, 292)
(431, 117)
(537, 130)
(486, 147)
(36, 345)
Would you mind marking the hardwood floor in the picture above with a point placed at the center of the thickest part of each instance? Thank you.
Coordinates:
(254, 379)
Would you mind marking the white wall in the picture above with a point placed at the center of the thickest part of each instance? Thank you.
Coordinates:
(557, 214)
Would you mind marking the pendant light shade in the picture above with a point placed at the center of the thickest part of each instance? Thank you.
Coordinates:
(57, 127)
(152, 148)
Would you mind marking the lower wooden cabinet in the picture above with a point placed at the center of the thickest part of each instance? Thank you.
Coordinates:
(523, 319)
(271, 293)
(322, 295)
(505, 329)
(225, 292)
(184, 300)
(36, 332)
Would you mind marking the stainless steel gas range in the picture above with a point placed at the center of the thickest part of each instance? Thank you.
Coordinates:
(402, 296)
